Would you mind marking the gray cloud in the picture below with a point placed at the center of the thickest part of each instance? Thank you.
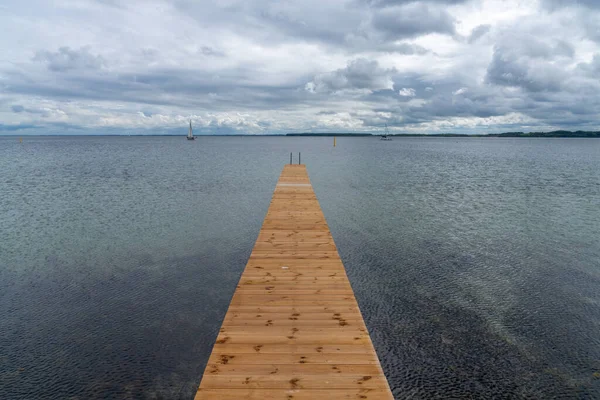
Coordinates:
(17, 108)
(535, 48)
(557, 4)
(402, 48)
(67, 59)
(386, 3)
(16, 127)
(590, 22)
(533, 63)
(209, 51)
(412, 20)
(508, 70)
(358, 74)
(478, 32)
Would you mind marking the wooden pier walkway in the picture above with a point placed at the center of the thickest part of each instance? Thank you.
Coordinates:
(293, 330)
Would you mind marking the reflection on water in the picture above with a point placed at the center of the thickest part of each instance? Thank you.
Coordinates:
(475, 261)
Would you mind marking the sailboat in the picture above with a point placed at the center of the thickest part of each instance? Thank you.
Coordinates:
(387, 133)
(190, 135)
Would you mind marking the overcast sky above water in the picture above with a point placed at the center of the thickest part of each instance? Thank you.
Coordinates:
(463, 66)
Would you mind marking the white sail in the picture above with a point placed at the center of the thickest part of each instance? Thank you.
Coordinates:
(190, 134)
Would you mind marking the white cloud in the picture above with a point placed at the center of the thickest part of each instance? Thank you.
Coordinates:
(407, 92)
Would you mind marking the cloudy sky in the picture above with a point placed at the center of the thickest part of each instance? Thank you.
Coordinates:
(274, 66)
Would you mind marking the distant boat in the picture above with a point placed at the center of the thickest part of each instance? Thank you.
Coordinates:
(190, 135)
(387, 133)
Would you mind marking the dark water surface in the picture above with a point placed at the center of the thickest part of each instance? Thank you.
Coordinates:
(476, 262)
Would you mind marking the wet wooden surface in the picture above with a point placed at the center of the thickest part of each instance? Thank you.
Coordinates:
(293, 330)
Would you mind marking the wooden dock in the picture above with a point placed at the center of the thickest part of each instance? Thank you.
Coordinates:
(293, 330)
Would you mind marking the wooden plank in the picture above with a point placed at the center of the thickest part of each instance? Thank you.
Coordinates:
(292, 358)
(294, 394)
(269, 320)
(297, 309)
(301, 381)
(288, 369)
(316, 339)
(293, 291)
(241, 348)
(293, 329)
(247, 316)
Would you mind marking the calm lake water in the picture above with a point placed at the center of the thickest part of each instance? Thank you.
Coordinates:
(476, 262)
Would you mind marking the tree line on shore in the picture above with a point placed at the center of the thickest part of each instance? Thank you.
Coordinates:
(552, 134)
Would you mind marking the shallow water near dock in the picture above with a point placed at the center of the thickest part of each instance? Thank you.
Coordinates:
(475, 261)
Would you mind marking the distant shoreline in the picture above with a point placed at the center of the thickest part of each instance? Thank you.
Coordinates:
(552, 134)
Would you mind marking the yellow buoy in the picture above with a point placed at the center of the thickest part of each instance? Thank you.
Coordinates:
(20, 140)
(334, 141)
